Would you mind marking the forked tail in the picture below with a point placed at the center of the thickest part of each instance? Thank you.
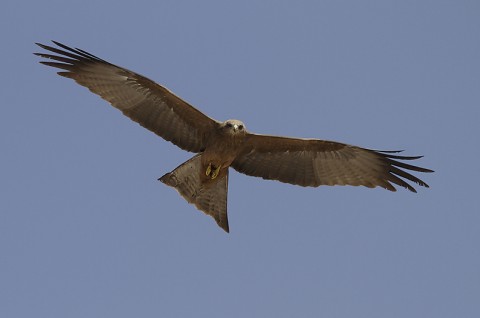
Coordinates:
(209, 196)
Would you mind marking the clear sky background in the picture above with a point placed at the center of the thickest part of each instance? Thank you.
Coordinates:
(86, 230)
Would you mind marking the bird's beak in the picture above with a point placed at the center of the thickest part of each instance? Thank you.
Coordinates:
(235, 127)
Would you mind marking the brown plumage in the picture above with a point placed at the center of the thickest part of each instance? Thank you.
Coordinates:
(203, 180)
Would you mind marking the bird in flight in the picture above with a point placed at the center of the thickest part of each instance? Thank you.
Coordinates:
(203, 179)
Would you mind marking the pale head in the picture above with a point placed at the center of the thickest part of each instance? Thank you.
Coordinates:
(233, 126)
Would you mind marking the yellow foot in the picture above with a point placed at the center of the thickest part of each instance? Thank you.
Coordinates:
(212, 173)
(215, 172)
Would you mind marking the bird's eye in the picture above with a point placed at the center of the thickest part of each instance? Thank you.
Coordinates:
(229, 125)
(240, 127)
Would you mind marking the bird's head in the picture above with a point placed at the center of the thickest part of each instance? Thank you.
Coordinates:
(233, 126)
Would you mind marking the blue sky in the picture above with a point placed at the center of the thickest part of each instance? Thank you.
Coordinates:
(86, 230)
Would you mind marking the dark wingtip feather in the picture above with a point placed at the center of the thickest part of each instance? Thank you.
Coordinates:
(63, 46)
(403, 157)
(389, 151)
(66, 52)
(43, 46)
(397, 169)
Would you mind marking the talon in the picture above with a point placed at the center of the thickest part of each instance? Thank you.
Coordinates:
(215, 172)
(209, 169)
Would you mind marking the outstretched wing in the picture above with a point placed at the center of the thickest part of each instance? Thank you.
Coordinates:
(142, 100)
(311, 162)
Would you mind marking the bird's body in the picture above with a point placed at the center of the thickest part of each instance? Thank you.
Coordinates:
(229, 141)
(203, 180)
